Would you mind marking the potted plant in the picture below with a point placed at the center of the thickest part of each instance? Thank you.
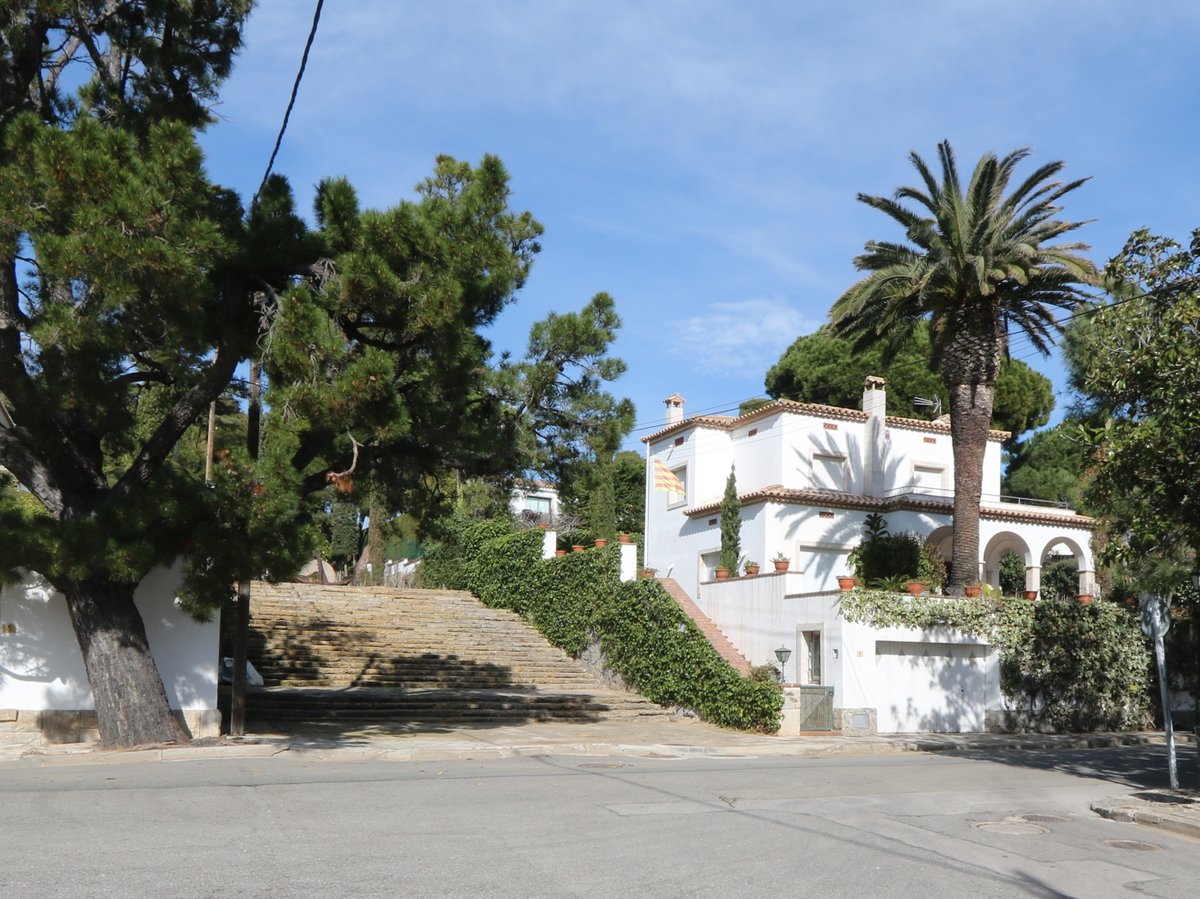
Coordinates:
(750, 567)
(1030, 595)
(1085, 598)
(916, 588)
(781, 562)
(600, 543)
(972, 590)
(845, 581)
(622, 538)
(721, 572)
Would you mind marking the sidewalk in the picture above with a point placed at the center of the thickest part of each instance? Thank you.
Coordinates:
(660, 739)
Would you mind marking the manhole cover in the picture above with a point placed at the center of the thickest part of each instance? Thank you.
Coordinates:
(1012, 828)
(1132, 844)
(1044, 819)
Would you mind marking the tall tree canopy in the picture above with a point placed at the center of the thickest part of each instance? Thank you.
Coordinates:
(979, 261)
(132, 289)
(824, 368)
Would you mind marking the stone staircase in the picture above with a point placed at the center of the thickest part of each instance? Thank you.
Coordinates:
(350, 656)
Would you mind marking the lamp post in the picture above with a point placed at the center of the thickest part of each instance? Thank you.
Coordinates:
(783, 654)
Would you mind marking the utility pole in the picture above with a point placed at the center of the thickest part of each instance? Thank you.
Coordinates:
(241, 635)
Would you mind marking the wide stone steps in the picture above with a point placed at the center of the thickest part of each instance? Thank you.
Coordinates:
(337, 655)
(291, 706)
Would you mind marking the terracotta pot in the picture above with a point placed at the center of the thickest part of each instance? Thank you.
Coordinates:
(1085, 598)
(560, 552)
(601, 543)
(751, 570)
(845, 582)
(782, 564)
(1030, 595)
(972, 590)
(721, 573)
(649, 572)
(576, 548)
(622, 538)
(916, 588)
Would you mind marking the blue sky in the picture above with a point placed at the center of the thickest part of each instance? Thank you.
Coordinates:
(700, 160)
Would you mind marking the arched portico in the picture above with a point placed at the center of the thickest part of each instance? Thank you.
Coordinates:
(1004, 542)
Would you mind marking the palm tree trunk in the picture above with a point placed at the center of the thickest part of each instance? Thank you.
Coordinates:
(970, 422)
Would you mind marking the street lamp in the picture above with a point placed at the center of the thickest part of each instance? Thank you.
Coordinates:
(783, 654)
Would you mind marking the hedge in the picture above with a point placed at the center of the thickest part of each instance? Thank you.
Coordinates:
(578, 598)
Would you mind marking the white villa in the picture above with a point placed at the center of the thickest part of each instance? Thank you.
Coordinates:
(807, 477)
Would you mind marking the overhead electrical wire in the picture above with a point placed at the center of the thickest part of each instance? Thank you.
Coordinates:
(312, 33)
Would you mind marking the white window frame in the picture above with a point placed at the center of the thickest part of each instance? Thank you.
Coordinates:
(675, 500)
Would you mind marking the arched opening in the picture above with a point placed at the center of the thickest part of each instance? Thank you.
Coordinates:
(1002, 571)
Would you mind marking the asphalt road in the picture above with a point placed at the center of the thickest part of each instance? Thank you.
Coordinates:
(928, 825)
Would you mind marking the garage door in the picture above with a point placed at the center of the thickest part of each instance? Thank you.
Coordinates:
(930, 687)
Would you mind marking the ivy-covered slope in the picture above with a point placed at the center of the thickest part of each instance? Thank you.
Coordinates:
(578, 598)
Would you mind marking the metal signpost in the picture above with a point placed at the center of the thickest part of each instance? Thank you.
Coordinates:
(1155, 624)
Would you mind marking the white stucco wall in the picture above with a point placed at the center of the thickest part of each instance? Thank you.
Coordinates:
(41, 666)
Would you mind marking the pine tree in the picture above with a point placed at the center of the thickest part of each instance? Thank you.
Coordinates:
(731, 524)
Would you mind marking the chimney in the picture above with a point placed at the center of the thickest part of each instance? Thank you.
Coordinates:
(674, 405)
(875, 396)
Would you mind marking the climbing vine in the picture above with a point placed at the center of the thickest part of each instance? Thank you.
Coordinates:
(646, 638)
(1063, 664)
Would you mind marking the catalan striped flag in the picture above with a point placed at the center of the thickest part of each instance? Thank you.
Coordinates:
(665, 479)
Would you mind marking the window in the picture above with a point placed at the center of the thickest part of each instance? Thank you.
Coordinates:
(829, 472)
(678, 499)
(811, 670)
(538, 505)
(929, 479)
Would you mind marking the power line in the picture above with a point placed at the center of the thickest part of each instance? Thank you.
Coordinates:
(292, 100)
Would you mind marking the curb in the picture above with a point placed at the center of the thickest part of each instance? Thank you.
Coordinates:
(1177, 813)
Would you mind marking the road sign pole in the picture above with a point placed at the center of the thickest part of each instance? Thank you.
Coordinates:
(1160, 658)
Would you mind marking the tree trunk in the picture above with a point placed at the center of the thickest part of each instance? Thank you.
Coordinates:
(970, 421)
(131, 703)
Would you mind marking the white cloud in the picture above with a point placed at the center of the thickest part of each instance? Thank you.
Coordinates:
(740, 337)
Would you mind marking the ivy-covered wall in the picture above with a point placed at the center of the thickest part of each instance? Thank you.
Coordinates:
(1063, 665)
(578, 598)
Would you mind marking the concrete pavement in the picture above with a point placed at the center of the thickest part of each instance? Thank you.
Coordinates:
(664, 739)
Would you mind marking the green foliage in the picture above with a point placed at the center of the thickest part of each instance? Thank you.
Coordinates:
(890, 558)
(629, 491)
(731, 524)
(1141, 360)
(577, 599)
(823, 368)
(1012, 574)
(1059, 578)
(1050, 465)
(931, 567)
(1071, 666)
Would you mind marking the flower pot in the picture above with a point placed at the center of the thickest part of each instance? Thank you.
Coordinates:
(622, 538)
(782, 564)
(972, 590)
(845, 582)
(721, 573)
(1030, 595)
(576, 548)
(560, 552)
(601, 543)
(1085, 598)
(649, 572)
(751, 570)
(916, 588)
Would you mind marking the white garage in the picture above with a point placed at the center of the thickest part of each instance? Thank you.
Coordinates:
(931, 687)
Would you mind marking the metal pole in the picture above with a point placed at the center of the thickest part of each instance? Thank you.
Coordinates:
(241, 635)
(1160, 658)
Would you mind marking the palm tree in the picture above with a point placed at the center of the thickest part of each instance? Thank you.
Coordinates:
(977, 265)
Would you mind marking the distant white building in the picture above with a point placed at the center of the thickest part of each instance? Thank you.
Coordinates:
(807, 477)
(535, 501)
